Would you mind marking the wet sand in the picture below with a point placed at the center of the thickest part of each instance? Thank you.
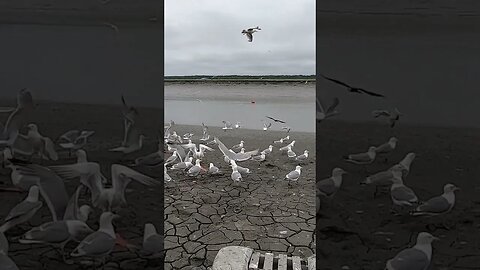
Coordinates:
(144, 204)
(350, 231)
(206, 213)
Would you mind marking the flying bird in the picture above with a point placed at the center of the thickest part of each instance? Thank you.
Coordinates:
(275, 120)
(249, 33)
(393, 117)
(322, 114)
(354, 89)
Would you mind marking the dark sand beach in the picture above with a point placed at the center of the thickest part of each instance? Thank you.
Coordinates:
(206, 213)
(359, 231)
(144, 203)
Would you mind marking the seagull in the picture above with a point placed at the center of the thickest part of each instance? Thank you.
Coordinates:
(227, 126)
(200, 152)
(195, 170)
(383, 178)
(293, 175)
(417, 257)
(249, 32)
(268, 150)
(23, 211)
(401, 195)
(362, 158)
(259, 158)
(238, 146)
(241, 170)
(290, 152)
(75, 141)
(183, 165)
(172, 158)
(302, 157)
(353, 89)
(73, 212)
(288, 146)
(205, 135)
(187, 136)
(237, 125)
(329, 187)
(242, 156)
(266, 127)
(286, 128)
(322, 114)
(57, 233)
(387, 147)
(152, 241)
(130, 115)
(34, 143)
(406, 163)
(275, 120)
(134, 143)
(17, 119)
(166, 177)
(213, 170)
(105, 198)
(438, 205)
(101, 242)
(236, 176)
(393, 117)
(5, 262)
(5, 155)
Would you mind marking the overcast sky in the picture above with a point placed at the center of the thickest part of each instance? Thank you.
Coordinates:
(204, 37)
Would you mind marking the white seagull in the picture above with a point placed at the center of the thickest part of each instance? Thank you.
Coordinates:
(362, 158)
(329, 187)
(23, 211)
(417, 257)
(438, 205)
(293, 175)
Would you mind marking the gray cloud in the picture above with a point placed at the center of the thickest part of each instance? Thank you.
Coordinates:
(204, 37)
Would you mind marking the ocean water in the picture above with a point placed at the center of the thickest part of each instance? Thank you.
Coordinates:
(193, 104)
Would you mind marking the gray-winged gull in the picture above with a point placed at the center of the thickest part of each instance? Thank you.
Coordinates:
(196, 169)
(362, 158)
(34, 143)
(438, 205)
(387, 147)
(23, 211)
(152, 241)
(99, 243)
(329, 187)
(238, 146)
(236, 176)
(242, 156)
(268, 150)
(302, 157)
(401, 195)
(17, 119)
(213, 170)
(294, 175)
(417, 257)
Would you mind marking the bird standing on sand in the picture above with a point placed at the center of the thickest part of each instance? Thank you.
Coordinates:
(401, 195)
(23, 211)
(438, 205)
(362, 158)
(353, 89)
(417, 257)
(249, 32)
(294, 175)
(302, 157)
(329, 187)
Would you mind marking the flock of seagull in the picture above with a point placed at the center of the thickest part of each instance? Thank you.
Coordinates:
(404, 200)
(22, 155)
(184, 151)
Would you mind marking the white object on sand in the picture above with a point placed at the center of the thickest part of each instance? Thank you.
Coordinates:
(440, 204)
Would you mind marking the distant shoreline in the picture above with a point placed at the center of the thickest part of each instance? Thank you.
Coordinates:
(239, 81)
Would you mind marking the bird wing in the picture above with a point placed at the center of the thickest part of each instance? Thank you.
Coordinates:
(88, 171)
(249, 36)
(410, 258)
(378, 113)
(50, 148)
(72, 211)
(51, 187)
(403, 194)
(122, 176)
(293, 175)
(204, 147)
(332, 107)
(435, 205)
(336, 81)
(95, 244)
(224, 149)
(22, 208)
(370, 93)
(70, 136)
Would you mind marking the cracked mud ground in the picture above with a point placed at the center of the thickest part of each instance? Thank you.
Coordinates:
(144, 203)
(359, 231)
(206, 213)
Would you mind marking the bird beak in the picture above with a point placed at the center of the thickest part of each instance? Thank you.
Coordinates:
(457, 188)
(436, 238)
